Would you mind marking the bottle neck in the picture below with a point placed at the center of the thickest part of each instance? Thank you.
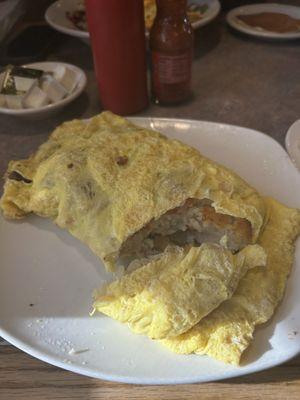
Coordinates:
(171, 8)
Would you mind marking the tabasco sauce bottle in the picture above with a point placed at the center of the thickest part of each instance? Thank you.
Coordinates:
(171, 45)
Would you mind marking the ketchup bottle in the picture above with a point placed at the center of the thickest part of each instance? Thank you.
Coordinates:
(171, 44)
(117, 33)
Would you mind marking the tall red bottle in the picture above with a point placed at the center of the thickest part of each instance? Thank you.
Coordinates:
(117, 34)
(171, 44)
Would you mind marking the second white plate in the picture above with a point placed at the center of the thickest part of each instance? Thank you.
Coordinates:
(47, 278)
(56, 16)
(235, 23)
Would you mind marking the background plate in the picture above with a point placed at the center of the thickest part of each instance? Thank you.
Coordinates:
(47, 278)
(56, 16)
(292, 11)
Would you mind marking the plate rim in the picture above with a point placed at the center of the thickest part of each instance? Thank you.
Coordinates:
(291, 143)
(248, 30)
(31, 351)
(227, 125)
(112, 377)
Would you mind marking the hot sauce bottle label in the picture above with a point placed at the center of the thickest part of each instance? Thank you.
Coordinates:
(171, 69)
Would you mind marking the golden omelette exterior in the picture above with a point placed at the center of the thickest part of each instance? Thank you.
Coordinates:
(175, 290)
(169, 294)
(106, 179)
(227, 332)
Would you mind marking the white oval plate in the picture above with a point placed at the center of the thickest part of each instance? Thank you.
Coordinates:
(233, 21)
(50, 109)
(44, 266)
(56, 16)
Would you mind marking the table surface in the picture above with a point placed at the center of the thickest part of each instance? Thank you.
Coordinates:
(236, 80)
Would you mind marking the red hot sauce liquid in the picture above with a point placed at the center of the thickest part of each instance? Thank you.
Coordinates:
(171, 44)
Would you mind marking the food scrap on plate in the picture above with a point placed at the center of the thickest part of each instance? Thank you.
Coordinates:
(271, 21)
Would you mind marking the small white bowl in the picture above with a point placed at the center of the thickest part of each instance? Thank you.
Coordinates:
(48, 110)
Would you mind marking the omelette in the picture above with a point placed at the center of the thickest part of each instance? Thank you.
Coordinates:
(206, 257)
(129, 192)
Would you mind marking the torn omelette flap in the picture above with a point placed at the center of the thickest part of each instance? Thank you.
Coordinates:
(79, 181)
(16, 201)
(172, 293)
(228, 331)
